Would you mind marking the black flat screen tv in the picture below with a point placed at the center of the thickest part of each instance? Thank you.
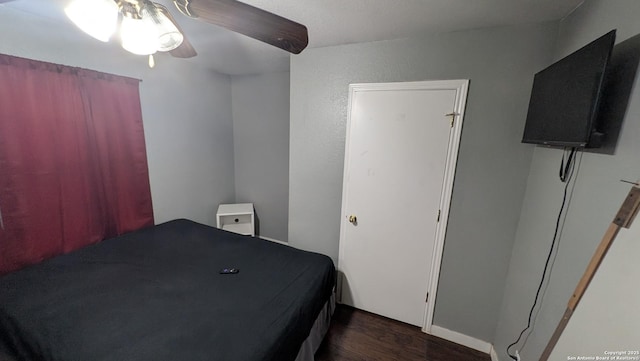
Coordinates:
(565, 97)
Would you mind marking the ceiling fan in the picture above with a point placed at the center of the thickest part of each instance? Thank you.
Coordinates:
(146, 27)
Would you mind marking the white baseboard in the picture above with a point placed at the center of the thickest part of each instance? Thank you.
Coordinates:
(274, 240)
(494, 354)
(461, 339)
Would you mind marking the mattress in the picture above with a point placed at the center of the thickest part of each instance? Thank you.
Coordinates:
(157, 294)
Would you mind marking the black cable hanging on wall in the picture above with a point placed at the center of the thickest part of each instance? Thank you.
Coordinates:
(565, 174)
(566, 169)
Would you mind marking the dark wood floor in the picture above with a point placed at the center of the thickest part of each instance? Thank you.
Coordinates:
(358, 335)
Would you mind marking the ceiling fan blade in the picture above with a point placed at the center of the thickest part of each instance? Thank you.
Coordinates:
(185, 50)
(248, 20)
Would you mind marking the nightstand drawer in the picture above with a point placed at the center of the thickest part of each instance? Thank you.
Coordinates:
(241, 223)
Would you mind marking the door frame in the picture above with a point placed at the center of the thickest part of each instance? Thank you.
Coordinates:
(461, 87)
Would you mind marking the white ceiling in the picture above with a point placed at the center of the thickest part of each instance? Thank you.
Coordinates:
(334, 22)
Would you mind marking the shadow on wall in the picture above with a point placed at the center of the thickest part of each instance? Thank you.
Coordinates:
(618, 84)
(342, 287)
(256, 223)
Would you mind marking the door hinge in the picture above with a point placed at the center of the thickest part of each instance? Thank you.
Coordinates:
(427, 299)
(453, 117)
(438, 220)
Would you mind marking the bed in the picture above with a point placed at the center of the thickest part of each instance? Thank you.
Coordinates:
(157, 294)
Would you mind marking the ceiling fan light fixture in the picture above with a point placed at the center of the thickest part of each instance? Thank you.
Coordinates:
(139, 36)
(98, 18)
(170, 40)
(169, 37)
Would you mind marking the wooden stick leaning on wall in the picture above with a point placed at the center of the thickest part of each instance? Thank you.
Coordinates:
(623, 219)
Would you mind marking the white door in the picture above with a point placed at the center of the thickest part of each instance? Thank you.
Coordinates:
(402, 144)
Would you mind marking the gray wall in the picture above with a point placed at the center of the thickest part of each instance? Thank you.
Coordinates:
(492, 167)
(617, 322)
(186, 112)
(188, 128)
(261, 148)
(597, 197)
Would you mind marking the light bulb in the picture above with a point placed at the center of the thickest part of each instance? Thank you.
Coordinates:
(97, 18)
(138, 36)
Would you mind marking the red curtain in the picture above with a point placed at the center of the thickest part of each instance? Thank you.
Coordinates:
(73, 165)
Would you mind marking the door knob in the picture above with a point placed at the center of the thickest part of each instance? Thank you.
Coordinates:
(353, 219)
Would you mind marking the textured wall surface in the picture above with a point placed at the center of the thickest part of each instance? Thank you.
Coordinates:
(597, 196)
(611, 302)
(492, 166)
(186, 113)
(261, 149)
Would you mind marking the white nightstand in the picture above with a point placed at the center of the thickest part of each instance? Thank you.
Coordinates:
(238, 218)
